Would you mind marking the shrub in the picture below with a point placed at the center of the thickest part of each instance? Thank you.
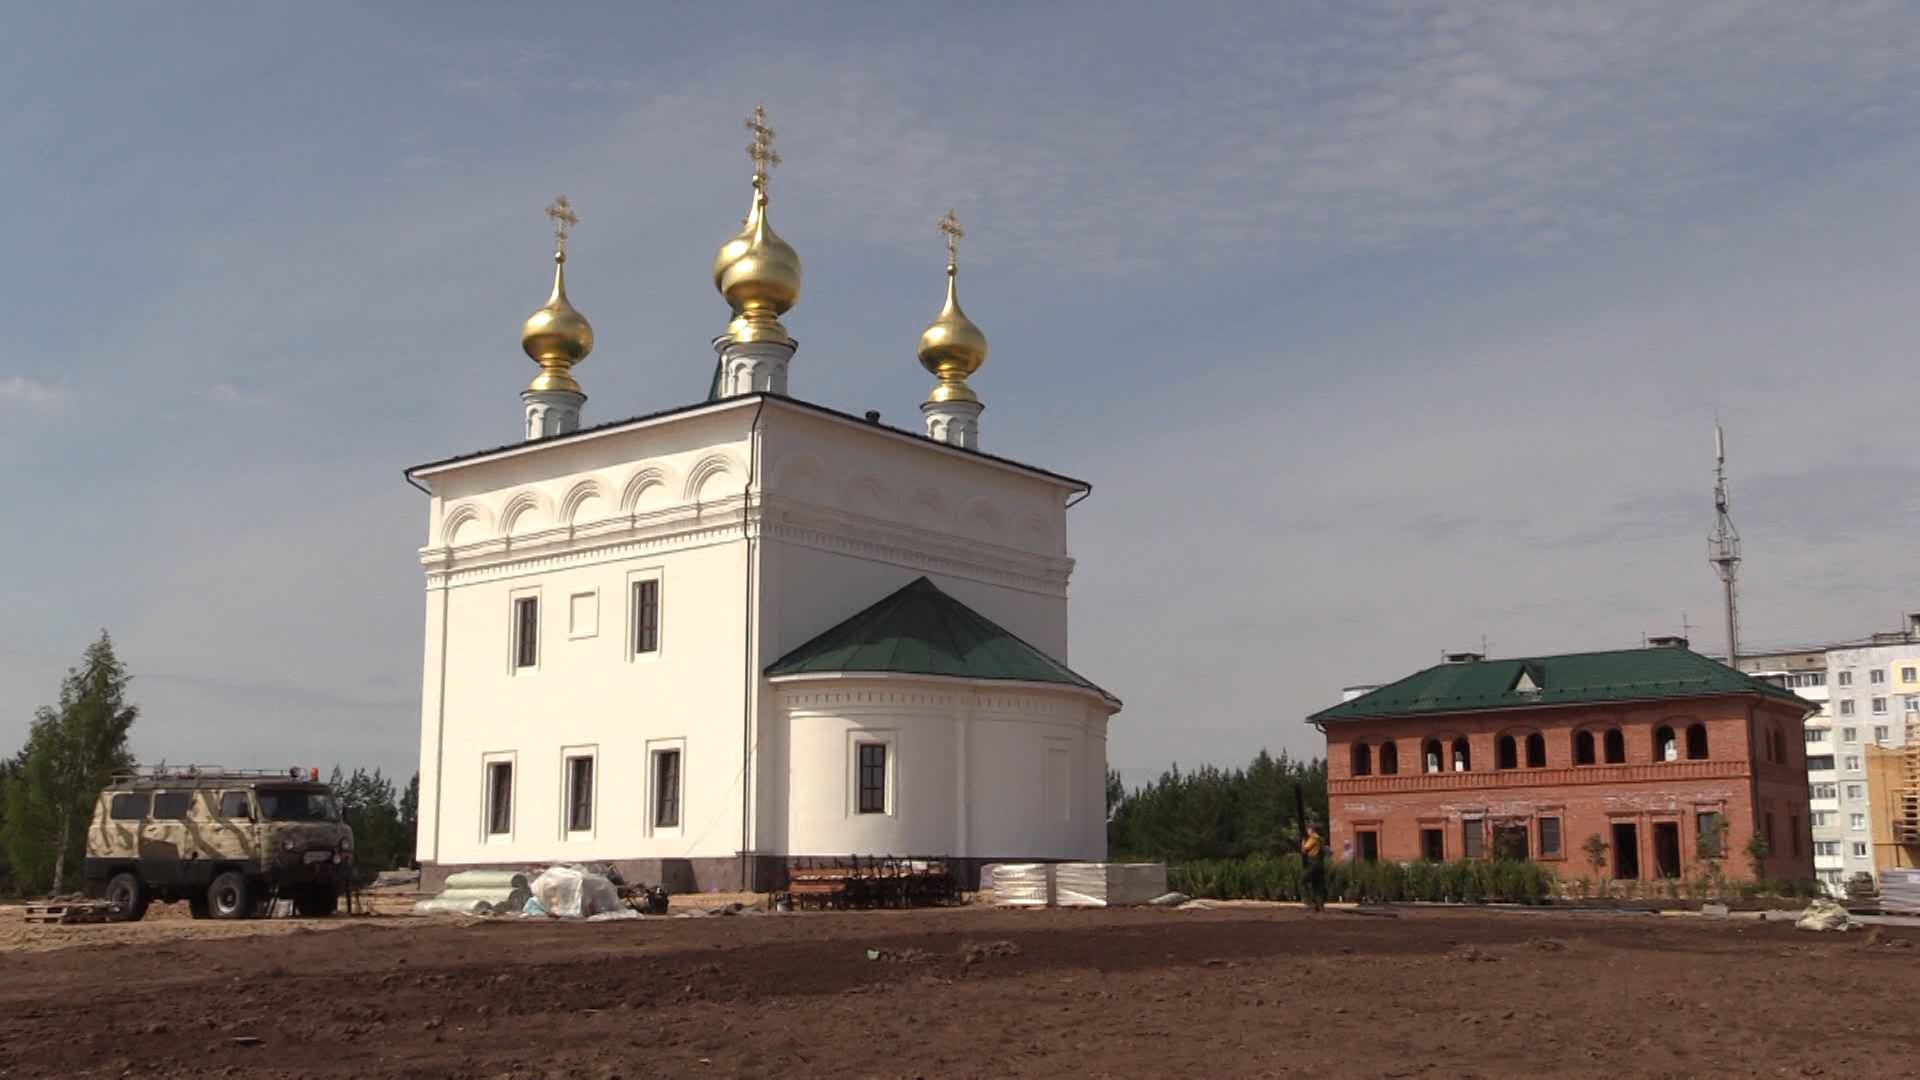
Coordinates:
(1263, 877)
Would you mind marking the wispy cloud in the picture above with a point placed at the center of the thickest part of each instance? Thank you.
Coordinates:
(229, 394)
(20, 390)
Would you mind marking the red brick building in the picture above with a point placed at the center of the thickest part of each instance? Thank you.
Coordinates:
(1530, 757)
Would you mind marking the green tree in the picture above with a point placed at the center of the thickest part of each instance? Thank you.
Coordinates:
(1214, 813)
(71, 753)
(410, 819)
(1757, 852)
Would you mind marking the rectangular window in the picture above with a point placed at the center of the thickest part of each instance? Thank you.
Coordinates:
(1879, 733)
(580, 793)
(1849, 734)
(1857, 822)
(1816, 734)
(1859, 849)
(1846, 678)
(1909, 675)
(873, 778)
(499, 798)
(666, 789)
(1820, 819)
(1856, 792)
(1368, 844)
(1819, 762)
(1911, 703)
(1472, 839)
(1879, 706)
(171, 805)
(1549, 837)
(1853, 763)
(1846, 708)
(646, 616)
(1822, 791)
(1827, 849)
(1433, 845)
(1877, 677)
(131, 806)
(235, 804)
(526, 631)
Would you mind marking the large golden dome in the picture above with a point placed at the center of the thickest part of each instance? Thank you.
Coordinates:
(759, 275)
(556, 336)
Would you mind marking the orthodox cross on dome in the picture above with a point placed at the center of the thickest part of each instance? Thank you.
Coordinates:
(564, 219)
(761, 148)
(951, 226)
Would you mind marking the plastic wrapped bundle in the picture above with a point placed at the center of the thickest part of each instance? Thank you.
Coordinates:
(573, 892)
(1109, 884)
(1023, 885)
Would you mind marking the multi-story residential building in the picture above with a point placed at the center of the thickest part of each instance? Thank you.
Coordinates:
(1871, 693)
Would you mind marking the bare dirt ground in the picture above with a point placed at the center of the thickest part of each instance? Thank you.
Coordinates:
(969, 992)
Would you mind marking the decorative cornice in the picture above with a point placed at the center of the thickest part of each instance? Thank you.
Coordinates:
(1578, 776)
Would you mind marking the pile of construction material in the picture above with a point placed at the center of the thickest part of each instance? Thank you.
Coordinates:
(480, 892)
(1078, 884)
(1900, 891)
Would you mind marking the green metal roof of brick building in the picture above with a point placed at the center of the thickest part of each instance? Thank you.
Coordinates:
(919, 630)
(1645, 674)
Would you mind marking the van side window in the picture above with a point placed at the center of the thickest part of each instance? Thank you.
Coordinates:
(171, 805)
(234, 804)
(131, 806)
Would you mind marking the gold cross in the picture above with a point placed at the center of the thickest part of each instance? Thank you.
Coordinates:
(951, 226)
(761, 148)
(564, 219)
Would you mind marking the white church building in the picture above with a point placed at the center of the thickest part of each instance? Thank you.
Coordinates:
(703, 642)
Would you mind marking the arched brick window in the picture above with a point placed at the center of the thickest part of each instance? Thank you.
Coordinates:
(1696, 742)
(1389, 759)
(1462, 755)
(1504, 754)
(1583, 748)
(1664, 746)
(1434, 756)
(1615, 745)
(1362, 763)
(1536, 751)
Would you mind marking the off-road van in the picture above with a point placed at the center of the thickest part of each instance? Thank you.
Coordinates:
(227, 842)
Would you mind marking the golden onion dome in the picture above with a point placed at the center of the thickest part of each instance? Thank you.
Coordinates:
(556, 336)
(759, 275)
(952, 347)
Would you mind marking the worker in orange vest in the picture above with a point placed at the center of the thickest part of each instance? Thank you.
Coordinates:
(1313, 867)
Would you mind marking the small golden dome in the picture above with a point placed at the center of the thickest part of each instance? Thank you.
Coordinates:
(952, 347)
(759, 275)
(556, 336)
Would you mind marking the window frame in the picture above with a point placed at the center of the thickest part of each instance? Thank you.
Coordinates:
(569, 799)
(144, 805)
(859, 789)
(1860, 849)
(1473, 838)
(519, 602)
(1609, 739)
(246, 798)
(1845, 679)
(1909, 675)
(1854, 792)
(1877, 677)
(1856, 821)
(1831, 790)
(490, 810)
(1882, 733)
(1878, 706)
(636, 579)
(656, 749)
(1559, 849)
(154, 813)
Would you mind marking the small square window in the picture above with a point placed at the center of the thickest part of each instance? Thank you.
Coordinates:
(1856, 792)
(1879, 706)
(1879, 733)
(171, 805)
(646, 616)
(526, 632)
(1877, 677)
(1846, 678)
(666, 789)
(1852, 762)
(1849, 734)
(1816, 734)
(1857, 822)
(1911, 703)
(580, 793)
(873, 778)
(499, 798)
(1909, 675)
(1846, 708)
(1859, 849)
(131, 806)
(235, 805)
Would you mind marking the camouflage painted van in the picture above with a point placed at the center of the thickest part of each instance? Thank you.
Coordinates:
(226, 842)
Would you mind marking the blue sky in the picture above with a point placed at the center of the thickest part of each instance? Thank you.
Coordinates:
(1379, 328)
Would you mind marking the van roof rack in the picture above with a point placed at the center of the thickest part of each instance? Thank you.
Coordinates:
(204, 772)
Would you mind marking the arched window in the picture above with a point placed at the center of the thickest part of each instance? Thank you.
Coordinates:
(1432, 753)
(1389, 759)
(1462, 755)
(1536, 751)
(1504, 755)
(1664, 748)
(1362, 759)
(1615, 745)
(1696, 742)
(1583, 748)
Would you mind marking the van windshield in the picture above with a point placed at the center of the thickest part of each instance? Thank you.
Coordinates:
(283, 804)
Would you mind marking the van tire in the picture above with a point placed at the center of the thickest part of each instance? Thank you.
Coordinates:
(128, 896)
(231, 896)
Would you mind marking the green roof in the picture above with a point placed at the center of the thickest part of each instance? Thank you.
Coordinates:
(919, 630)
(1645, 674)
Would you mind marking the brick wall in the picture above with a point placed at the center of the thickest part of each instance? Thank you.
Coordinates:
(1755, 766)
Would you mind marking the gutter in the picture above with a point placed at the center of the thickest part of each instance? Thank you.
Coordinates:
(751, 677)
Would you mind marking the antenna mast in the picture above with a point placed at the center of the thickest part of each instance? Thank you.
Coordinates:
(1723, 547)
